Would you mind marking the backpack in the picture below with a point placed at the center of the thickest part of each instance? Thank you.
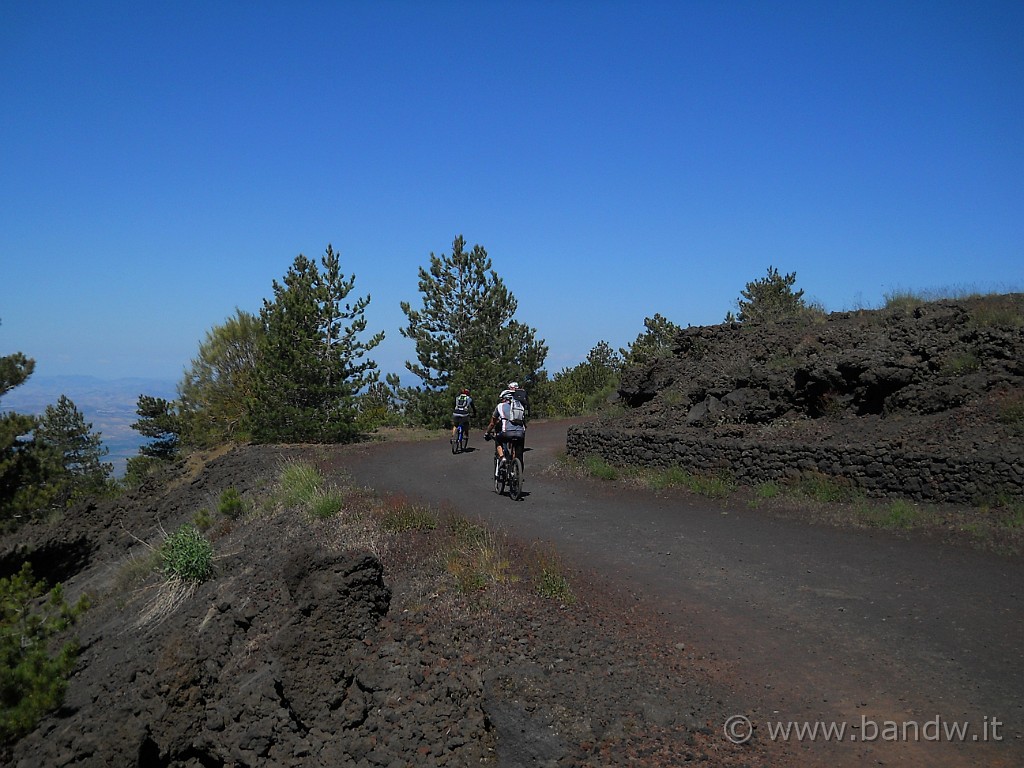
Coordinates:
(462, 404)
(516, 413)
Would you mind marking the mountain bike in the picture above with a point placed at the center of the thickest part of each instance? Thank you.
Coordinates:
(509, 471)
(461, 439)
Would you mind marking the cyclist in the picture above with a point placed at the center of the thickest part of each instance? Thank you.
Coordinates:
(464, 408)
(508, 415)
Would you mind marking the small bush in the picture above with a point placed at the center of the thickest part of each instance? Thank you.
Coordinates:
(202, 519)
(32, 680)
(187, 555)
(231, 504)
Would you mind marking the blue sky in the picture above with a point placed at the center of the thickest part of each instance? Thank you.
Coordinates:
(162, 163)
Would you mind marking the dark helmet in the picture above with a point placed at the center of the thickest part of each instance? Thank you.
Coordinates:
(464, 392)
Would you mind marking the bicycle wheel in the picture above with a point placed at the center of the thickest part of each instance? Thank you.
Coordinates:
(515, 479)
(499, 481)
(455, 443)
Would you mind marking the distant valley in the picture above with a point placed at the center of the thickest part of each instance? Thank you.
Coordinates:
(109, 405)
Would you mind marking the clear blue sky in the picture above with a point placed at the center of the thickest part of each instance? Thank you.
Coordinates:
(162, 163)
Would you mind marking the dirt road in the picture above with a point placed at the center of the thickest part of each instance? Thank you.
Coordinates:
(910, 652)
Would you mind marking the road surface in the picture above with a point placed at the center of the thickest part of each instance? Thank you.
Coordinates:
(909, 652)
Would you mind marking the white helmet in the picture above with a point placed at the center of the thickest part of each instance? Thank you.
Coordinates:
(506, 394)
(513, 385)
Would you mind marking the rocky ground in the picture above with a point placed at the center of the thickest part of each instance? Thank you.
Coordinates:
(350, 641)
(933, 375)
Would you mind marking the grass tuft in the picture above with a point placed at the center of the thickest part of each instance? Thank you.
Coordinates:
(187, 555)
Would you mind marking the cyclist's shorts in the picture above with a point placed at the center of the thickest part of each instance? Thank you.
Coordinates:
(460, 418)
(504, 438)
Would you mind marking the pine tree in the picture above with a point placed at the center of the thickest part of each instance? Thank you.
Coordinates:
(585, 387)
(770, 298)
(21, 472)
(159, 420)
(465, 333)
(312, 363)
(75, 450)
(656, 340)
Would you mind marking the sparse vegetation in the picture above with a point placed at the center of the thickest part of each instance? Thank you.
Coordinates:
(824, 488)
(599, 468)
(477, 558)
(898, 514)
(999, 312)
(408, 517)
(551, 580)
(1011, 408)
(961, 364)
(901, 299)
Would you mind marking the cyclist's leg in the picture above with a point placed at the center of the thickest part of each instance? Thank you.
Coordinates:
(501, 445)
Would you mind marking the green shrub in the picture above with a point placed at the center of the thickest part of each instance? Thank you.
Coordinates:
(32, 681)
(202, 519)
(187, 555)
(231, 504)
